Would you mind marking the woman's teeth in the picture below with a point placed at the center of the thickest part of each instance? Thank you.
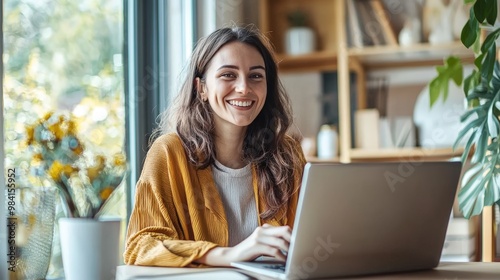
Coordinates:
(240, 103)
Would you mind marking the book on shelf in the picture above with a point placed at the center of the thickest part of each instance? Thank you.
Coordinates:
(369, 24)
(460, 240)
(330, 98)
(354, 33)
(382, 17)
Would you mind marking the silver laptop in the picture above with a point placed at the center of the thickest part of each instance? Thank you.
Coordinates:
(367, 218)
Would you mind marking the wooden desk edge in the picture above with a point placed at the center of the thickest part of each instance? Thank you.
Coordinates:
(446, 270)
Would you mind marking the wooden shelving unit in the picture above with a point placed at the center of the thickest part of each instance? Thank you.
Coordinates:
(328, 18)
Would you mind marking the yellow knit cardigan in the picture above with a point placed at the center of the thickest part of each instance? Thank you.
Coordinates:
(178, 215)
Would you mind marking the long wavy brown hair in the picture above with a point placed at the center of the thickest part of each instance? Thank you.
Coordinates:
(267, 144)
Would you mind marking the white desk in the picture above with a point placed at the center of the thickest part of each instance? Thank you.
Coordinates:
(445, 271)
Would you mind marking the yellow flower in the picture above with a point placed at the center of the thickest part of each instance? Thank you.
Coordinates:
(37, 159)
(78, 150)
(119, 159)
(30, 133)
(93, 172)
(57, 130)
(72, 127)
(55, 170)
(100, 159)
(106, 192)
(47, 116)
(68, 170)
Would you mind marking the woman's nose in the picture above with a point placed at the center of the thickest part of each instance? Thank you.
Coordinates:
(242, 86)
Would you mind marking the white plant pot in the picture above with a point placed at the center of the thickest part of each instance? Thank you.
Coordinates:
(300, 40)
(90, 248)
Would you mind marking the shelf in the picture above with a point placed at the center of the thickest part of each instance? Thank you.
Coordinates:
(394, 154)
(409, 56)
(318, 61)
(320, 160)
(274, 24)
(377, 57)
(404, 154)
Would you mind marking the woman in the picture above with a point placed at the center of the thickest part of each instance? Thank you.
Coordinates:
(221, 182)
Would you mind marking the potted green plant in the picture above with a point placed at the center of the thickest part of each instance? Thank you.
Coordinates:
(299, 38)
(481, 183)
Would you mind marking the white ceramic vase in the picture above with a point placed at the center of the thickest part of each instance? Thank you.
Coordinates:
(300, 40)
(90, 248)
(439, 125)
(327, 142)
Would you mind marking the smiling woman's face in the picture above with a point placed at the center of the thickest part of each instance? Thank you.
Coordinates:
(235, 85)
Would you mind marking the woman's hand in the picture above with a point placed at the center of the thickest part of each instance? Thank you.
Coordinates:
(266, 240)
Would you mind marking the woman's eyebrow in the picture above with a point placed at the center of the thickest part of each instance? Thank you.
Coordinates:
(258, 67)
(236, 67)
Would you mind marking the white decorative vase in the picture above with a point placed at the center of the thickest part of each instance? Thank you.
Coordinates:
(439, 125)
(89, 248)
(300, 40)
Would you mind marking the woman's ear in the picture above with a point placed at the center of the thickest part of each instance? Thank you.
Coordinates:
(199, 89)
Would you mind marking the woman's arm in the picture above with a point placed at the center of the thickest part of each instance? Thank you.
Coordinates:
(152, 238)
(160, 224)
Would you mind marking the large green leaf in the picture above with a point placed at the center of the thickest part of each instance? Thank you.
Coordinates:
(481, 10)
(478, 61)
(495, 81)
(492, 16)
(493, 124)
(470, 31)
(451, 70)
(489, 41)
(481, 144)
(489, 63)
(472, 191)
(480, 184)
(470, 82)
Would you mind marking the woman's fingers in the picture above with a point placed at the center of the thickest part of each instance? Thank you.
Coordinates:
(275, 242)
(275, 253)
(284, 232)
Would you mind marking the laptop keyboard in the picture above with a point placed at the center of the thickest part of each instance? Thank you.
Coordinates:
(276, 266)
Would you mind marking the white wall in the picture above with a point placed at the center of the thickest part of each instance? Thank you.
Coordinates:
(305, 93)
(214, 14)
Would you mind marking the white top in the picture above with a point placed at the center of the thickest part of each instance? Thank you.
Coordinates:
(236, 191)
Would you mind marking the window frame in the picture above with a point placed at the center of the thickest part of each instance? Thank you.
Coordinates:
(157, 43)
(3, 213)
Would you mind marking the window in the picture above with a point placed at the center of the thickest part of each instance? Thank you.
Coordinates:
(64, 55)
(114, 64)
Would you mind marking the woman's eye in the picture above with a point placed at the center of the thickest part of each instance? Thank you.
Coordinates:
(257, 76)
(228, 75)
